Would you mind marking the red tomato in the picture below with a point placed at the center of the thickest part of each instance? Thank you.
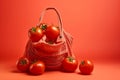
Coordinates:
(23, 64)
(37, 68)
(35, 34)
(69, 64)
(86, 67)
(49, 41)
(52, 33)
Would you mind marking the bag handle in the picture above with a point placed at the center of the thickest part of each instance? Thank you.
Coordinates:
(68, 43)
(58, 16)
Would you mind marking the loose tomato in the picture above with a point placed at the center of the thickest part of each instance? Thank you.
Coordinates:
(23, 64)
(86, 67)
(69, 64)
(35, 34)
(37, 68)
(52, 32)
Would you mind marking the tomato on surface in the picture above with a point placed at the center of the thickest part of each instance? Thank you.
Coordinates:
(23, 64)
(52, 32)
(86, 67)
(37, 68)
(35, 34)
(69, 64)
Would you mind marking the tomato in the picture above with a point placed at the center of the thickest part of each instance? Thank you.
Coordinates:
(35, 34)
(69, 64)
(52, 32)
(23, 64)
(86, 67)
(37, 68)
(49, 41)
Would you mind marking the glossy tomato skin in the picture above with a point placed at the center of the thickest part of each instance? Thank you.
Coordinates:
(35, 34)
(86, 67)
(23, 64)
(52, 32)
(37, 68)
(69, 64)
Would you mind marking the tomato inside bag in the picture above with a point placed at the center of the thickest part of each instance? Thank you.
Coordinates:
(51, 54)
(47, 47)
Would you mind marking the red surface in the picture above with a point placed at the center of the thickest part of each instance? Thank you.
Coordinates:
(95, 26)
(101, 72)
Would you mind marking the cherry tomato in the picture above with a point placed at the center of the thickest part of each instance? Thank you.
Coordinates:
(86, 67)
(49, 41)
(69, 64)
(23, 64)
(35, 34)
(37, 68)
(52, 32)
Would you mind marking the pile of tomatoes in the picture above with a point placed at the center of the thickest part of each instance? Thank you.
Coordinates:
(51, 32)
(35, 68)
(69, 64)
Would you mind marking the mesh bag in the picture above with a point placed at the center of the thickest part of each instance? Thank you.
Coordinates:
(51, 54)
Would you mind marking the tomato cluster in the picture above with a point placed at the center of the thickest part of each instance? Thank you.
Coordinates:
(69, 64)
(50, 31)
(35, 68)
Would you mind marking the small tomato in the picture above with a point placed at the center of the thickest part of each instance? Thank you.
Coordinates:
(52, 33)
(37, 68)
(86, 67)
(35, 34)
(69, 64)
(23, 64)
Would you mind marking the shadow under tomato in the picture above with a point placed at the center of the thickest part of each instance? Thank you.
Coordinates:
(63, 71)
(28, 73)
(16, 71)
(25, 73)
(83, 74)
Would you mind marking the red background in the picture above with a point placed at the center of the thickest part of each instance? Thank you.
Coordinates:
(94, 24)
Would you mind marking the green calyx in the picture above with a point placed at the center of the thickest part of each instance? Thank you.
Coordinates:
(33, 29)
(70, 59)
(82, 62)
(23, 62)
(44, 26)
